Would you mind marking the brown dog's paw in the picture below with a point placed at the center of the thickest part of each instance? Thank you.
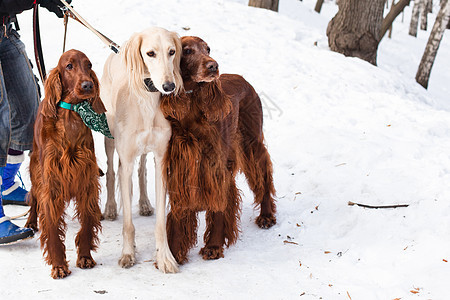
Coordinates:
(211, 253)
(32, 226)
(86, 262)
(60, 272)
(266, 222)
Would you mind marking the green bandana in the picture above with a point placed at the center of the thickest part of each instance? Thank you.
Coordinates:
(93, 120)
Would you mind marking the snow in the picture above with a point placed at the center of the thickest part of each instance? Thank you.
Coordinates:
(338, 130)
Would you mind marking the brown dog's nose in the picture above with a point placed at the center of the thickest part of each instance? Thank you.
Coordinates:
(87, 85)
(212, 66)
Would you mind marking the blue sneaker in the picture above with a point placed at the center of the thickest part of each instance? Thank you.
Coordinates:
(15, 195)
(12, 193)
(11, 233)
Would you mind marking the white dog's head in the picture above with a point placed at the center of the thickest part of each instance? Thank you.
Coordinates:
(154, 53)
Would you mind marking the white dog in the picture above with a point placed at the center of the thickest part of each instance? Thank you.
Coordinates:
(147, 65)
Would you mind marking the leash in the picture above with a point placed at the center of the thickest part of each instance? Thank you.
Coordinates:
(66, 22)
(76, 16)
(69, 12)
(38, 55)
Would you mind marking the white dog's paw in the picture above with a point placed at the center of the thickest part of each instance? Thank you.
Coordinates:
(127, 260)
(145, 208)
(110, 212)
(165, 261)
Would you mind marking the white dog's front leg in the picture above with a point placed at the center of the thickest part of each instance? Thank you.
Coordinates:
(128, 252)
(164, 258)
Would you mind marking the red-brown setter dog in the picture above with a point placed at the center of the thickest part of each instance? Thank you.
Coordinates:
(63, 164)
(216, 131)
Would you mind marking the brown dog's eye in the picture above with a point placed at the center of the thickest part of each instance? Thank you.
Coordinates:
(171, 52)
(90, 66)
(69, 67)
(187, 51)
(208, 49)
(151, 53)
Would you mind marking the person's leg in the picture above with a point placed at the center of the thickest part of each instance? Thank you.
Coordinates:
(19, 89)
(9, 232)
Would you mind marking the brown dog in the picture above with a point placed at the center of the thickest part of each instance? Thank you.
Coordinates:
(216, 131)
(63, 164)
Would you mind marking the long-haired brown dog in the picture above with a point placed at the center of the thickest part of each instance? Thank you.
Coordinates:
(63, 164)
(216, 131)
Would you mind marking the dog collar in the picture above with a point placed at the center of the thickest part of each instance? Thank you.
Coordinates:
(150, 86)
(93, 120)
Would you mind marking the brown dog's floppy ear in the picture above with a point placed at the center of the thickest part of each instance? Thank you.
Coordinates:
(53, 94)
(176, 64)
(96, 102)
(216, 105)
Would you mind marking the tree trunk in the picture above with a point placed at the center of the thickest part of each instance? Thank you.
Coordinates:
(415, 18)
(318, 6)
(424, 14)
(355, 30)
(393, 13)
(442, 19)
(268, 4)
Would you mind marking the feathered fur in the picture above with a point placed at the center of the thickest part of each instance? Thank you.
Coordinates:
(63, 164)
(216, 131)
(139, 127)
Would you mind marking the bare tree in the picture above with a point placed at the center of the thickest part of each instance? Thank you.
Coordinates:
(393, 13)
(442, 21)
(318, 6)
(424, 10)
(415, 17)
(355, 30)
(268, 4)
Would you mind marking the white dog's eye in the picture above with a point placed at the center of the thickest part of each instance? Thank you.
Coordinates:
(151, 53)
(171, 52)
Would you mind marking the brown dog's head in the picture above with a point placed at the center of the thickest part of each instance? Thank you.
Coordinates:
(72, 81)
(196, 64)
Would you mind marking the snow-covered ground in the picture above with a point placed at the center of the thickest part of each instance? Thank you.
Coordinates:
(338, 130)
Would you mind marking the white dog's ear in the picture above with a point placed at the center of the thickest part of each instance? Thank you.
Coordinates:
(136, 69)
(176, 63)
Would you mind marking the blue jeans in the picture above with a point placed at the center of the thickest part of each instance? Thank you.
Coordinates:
(19, 98)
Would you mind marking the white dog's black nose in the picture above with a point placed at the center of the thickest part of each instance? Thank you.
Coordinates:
(168, 86)
(87, 85)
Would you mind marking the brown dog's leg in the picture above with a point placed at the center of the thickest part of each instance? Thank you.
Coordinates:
(222, 227)
(181, 233)
(258, 170)
(89, 214)
(36, 179)
(32, 217)
(53, 230)
(214, 236)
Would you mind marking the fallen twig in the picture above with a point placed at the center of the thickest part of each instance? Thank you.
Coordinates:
(289, 242)
(377, 206)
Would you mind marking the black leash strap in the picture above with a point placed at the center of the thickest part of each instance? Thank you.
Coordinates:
(38, 55)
